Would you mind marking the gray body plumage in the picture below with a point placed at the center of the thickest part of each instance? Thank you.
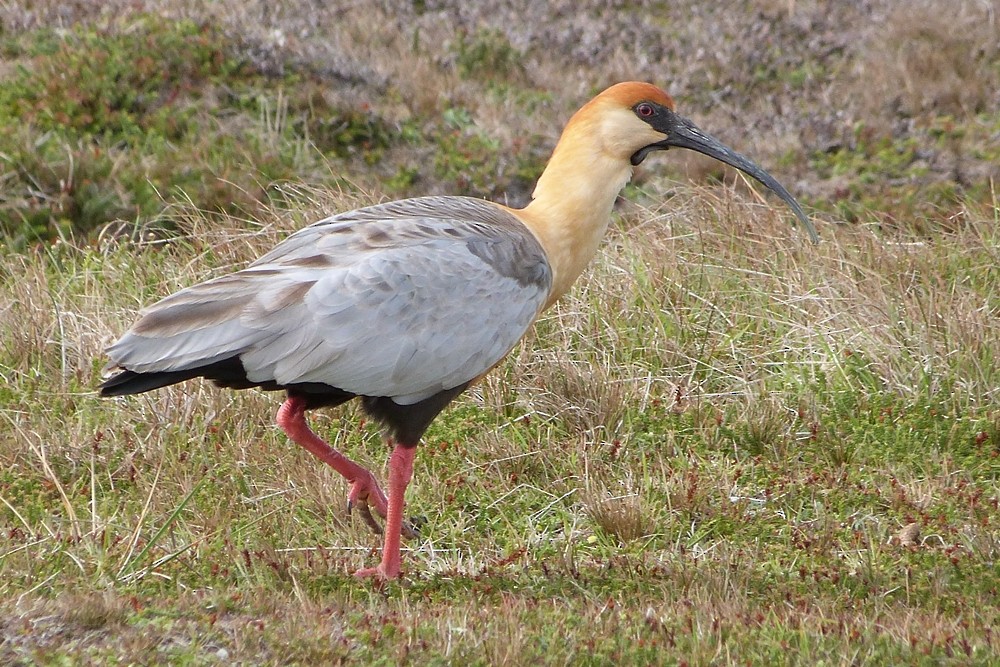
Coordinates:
(402, 300)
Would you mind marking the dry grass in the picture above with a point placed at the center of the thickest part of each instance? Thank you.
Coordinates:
(706, 453)
(721, 351)
(914, 65)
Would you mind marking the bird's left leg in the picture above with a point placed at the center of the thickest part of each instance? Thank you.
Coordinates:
(364, 488)
(400, 472)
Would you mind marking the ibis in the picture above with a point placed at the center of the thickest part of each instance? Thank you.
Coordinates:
(405, 304)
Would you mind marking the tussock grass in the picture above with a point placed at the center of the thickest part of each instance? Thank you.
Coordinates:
(932, 66)
(706, 450)
(710, 452)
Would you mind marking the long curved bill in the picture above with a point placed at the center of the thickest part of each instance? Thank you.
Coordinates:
(682, 133)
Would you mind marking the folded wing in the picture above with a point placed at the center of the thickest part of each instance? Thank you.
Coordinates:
(401, 300)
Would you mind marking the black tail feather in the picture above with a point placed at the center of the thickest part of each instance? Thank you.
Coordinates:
(225, 373)
(228, 373)
(127, 382)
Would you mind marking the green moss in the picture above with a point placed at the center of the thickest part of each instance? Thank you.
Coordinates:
(103, 125)
(892, 176)
(473, 163)
(487, 54)
(118, 85)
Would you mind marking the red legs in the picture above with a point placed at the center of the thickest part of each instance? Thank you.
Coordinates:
(364, 487)
(400, 472)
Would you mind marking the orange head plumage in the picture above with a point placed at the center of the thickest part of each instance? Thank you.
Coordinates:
(630, 93)
(628, 121)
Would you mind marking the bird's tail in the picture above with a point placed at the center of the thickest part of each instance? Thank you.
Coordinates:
(196, 332)
(225, 373)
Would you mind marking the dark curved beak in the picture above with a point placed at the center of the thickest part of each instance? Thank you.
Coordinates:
(682, 133)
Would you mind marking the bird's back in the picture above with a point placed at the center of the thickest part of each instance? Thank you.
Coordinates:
(401, 300)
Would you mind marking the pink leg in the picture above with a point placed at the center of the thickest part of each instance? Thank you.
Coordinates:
(400, 472)
(364, 488)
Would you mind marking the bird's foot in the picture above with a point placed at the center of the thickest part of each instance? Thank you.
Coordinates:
(364, 491)
(366, 494)
(381, 573)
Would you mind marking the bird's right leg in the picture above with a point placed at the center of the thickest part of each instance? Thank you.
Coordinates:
(364, 488)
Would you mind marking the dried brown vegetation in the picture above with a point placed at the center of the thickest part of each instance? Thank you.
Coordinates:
(710, 452)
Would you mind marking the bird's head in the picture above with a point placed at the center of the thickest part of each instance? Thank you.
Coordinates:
(634, 119)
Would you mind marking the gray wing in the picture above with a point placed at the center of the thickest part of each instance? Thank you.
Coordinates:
(401, 300)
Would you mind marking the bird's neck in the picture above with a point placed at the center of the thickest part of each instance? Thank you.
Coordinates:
(571, 204)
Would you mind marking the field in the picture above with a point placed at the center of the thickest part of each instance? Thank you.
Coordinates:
(725, 446)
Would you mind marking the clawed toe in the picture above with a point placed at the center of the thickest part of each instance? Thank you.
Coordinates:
(366, 514)
(365, 495)
(410, 529)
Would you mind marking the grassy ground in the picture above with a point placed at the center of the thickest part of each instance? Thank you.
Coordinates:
(726, 446)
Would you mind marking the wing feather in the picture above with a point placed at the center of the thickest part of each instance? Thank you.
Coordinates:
(401, 300)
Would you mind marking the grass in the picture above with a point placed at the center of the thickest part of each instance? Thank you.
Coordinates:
(706, 454)
(98, 131)
(725, 446)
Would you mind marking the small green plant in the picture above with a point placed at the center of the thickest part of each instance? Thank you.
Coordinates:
(475, 164)
(763, 430)
(487, 54)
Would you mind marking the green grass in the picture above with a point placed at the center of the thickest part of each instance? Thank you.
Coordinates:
(715, 450)
(705, 455)
(97, 129)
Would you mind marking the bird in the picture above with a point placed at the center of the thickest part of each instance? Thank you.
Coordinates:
(405, 304)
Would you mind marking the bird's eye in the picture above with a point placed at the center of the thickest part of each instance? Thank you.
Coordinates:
(645, 110)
